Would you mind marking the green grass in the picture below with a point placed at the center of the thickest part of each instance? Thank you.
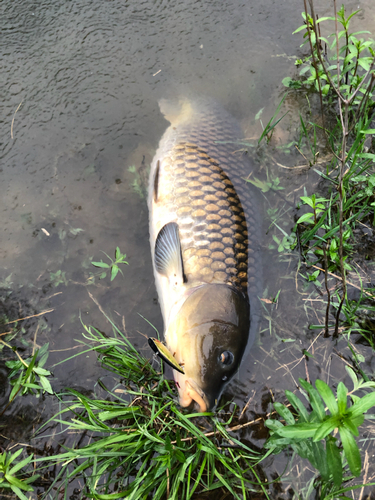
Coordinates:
(139, 443)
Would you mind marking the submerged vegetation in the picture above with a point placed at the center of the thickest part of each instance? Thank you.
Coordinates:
(129, 439)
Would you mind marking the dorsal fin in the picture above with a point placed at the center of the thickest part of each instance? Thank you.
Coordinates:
(168, 258)
(156, 181)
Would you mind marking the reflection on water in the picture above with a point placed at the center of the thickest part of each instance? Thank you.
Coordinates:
(88, 76)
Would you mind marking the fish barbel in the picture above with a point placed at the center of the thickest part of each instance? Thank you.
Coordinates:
(204, 239)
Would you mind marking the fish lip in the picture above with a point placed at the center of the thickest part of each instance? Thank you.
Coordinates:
(202, 398)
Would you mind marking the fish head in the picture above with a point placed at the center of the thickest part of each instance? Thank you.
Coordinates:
(208, 337)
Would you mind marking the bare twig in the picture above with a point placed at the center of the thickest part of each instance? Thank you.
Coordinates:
(16, 352)
(5, 333)
(247, 404)
(326, 333)
(337, 45)
(34, 344)
(97, 303)
(28, 317)
(11, 127)
(348, 282)
(345, 132)
(350, 99)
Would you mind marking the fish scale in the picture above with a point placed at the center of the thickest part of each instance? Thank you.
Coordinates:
(215, 133)
(213, 229)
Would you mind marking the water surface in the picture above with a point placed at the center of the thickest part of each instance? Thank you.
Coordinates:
(85, 79)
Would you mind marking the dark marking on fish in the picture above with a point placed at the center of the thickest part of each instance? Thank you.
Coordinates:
(168, 255)
(156, 181)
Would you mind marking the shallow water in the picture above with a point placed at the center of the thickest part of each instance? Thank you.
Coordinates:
(79, 127)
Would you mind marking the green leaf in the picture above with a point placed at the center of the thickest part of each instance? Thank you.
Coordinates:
(41, 371)
(307, 353)
(368, 131)
(298, 431)
(114, 271)
(19, 493)
(16, 387)
(315, 399)
(273, 425)
(20, 464)
(326, 393)
(362, 405)
(326, 427)
(31, 365)
(303, 27)
(349, 424)
(284, 412)
(357, 421)
(306, 217)
(351, 451)
(327, 18)
(180, 456)
(297, 405)
(46, 384)
(286, 81)
(32, 386)
(334, 461)
(13, 456)
(319, 459)
(365, 62)
(43, 350)
(342, 397)
(19, 484)
(101, 264)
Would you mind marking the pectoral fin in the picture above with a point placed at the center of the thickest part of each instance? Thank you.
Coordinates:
(168, 258)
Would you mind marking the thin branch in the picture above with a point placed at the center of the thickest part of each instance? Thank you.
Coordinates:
(345, 133)
(16, 352)
(313, 58)
(363, 102)
(326, 333)
(337, 45)
(28, 317)
(363, 80)
(11, 127)
(348, 282)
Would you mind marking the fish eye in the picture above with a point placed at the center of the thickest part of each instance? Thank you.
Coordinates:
(226, 358)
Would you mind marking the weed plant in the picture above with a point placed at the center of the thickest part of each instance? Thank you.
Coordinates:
(28, 376)
(113, 266)
(340, 67)
(342, 72)
(311, 434)
(9, 467)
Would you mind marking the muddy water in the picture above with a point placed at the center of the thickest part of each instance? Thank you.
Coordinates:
(79, 126)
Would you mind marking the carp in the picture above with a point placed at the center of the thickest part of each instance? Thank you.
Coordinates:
(204, 237)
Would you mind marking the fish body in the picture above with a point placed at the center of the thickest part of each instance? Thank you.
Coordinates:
(204, 238)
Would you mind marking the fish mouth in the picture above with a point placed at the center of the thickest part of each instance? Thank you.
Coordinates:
(192, 393)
